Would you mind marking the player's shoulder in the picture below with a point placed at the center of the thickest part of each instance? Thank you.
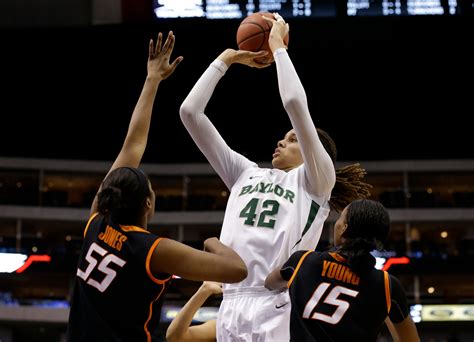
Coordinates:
(334, 254)
(379, 278)
(299, 254)
(292, 177)
(329, 255)
(253, 171)
(395, 283)
(315, 257)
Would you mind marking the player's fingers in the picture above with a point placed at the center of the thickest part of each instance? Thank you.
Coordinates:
(261, 53)
(278, 17)
(171, 45)
(168, 47)
(158, 42)
(245, 55)
(270, 20)
(175, 63)
(151, 52)
(260, 65)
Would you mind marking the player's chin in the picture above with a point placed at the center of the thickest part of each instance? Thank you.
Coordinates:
(276, 162)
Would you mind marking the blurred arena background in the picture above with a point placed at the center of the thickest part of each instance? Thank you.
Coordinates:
(390, 81)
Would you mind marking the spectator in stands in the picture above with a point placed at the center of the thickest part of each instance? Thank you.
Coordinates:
(123, 269)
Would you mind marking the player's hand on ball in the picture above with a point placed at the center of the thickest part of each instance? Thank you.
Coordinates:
(279, 31)
(231, 56)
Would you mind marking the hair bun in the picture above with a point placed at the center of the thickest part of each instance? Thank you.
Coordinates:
(112, 191)
(109, 200)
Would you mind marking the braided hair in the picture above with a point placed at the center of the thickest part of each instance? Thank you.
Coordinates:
(368, 224)
(349, 185)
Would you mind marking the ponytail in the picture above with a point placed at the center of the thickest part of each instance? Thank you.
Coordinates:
(368, 224)
(358, 254)
(109, 201)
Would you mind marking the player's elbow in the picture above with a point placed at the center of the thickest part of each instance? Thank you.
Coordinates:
(293, 103)
(320, 183)
(234, 273)
(186, 111)
(273, 282)
(268, 284)
(239, 273)
(326, 187)
(242, 272)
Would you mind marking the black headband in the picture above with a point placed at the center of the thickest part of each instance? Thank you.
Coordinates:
(143, 187)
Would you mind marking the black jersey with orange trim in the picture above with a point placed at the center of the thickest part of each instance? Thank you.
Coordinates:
(116, 298)
(330, 302)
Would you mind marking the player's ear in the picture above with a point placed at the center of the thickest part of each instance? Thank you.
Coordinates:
(149, 205)
(343, 229)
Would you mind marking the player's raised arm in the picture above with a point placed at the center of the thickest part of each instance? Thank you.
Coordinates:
(159, 68)
(319, 168)
(226, 162)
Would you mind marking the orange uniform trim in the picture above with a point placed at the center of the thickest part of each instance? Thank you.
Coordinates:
(134, 229)
(148, 335)
(89, 223)
(297, 268)
(147, 264)
(388, 297)
(337, 257)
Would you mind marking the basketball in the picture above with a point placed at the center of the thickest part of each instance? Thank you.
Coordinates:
(253, 33)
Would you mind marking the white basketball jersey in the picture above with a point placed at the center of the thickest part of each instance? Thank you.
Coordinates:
(270, 215)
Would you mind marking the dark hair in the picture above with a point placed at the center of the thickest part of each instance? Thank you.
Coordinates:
(349, 185)
(123, 195)
(368, 224)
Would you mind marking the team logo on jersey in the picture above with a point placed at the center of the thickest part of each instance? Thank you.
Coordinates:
(268, 188)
